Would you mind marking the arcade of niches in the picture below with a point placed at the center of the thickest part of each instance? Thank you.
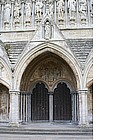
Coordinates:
(46, 62)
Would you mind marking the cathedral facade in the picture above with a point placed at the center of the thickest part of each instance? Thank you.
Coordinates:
(46, 61)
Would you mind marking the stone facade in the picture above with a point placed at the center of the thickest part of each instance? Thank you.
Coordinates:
(48, 41)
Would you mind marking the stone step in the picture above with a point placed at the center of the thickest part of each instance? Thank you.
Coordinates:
(49, 131)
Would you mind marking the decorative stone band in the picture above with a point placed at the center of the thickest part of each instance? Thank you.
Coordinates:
(15, 92)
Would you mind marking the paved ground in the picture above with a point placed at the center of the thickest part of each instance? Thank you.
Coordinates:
(42, 137)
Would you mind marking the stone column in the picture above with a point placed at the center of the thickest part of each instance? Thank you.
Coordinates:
(55, 11)
(50, 106)
(33, 13)
(14, 107)
(88, 11)
(74, 107)
(12, 12)
(66, 13)
(22, 13)
(2, 15)
(77, 13)
(83, 110)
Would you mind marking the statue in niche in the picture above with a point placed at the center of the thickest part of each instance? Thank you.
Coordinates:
(83, 9)
(38, 9)
(17, 11)
(48, 30)
(7, 12)
(72, 9)
(28, 11)
(60, 9)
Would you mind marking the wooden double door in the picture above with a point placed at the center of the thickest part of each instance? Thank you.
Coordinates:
(51, 106)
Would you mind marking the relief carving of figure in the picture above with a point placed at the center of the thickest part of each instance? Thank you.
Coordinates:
(28, 11)
(83, 9)
(17, 11)
(38, 9)
(7, 12)
(60, 8)
(72, 8)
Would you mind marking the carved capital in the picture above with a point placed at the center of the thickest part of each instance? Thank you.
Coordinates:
(83, 91)
(14, 92)
(51, 93)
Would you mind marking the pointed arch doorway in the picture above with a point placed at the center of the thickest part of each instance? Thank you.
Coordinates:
(48, 91)
(40, 103)
(62, 103)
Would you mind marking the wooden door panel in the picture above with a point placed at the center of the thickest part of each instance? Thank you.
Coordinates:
(40, 103)
(62, 103)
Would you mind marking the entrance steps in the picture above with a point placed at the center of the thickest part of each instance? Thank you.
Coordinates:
(48, 129)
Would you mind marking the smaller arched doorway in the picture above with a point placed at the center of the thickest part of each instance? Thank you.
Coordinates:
(4, 103)
(40, 103)
(62, 103)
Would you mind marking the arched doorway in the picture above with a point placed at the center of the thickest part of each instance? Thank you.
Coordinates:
(62, 103)
(4, 103)
(40, 103)
(90, 103)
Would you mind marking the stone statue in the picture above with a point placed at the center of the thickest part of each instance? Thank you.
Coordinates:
(7, 12)
(38, 9)
(72, 8)
(48, 30)
(28, 11)
(83, 9)
(60, 9)
(17, 11)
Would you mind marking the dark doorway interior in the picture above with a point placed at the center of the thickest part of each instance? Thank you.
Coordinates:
(62, 108)
(40, 103)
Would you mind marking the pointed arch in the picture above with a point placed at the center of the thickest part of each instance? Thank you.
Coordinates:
(60, 51)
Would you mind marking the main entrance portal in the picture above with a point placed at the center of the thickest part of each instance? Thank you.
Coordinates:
(48, 91)
(54, 106)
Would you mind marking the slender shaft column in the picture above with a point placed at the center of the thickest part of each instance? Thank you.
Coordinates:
(14, 108)
(88, 11)
(33, 13)
(74, 107)
(83, 118)
(2, 15)
(66, 13)
(77, 13)
(22, 13)
(51, 106)
(12, 12)
(55, 11)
